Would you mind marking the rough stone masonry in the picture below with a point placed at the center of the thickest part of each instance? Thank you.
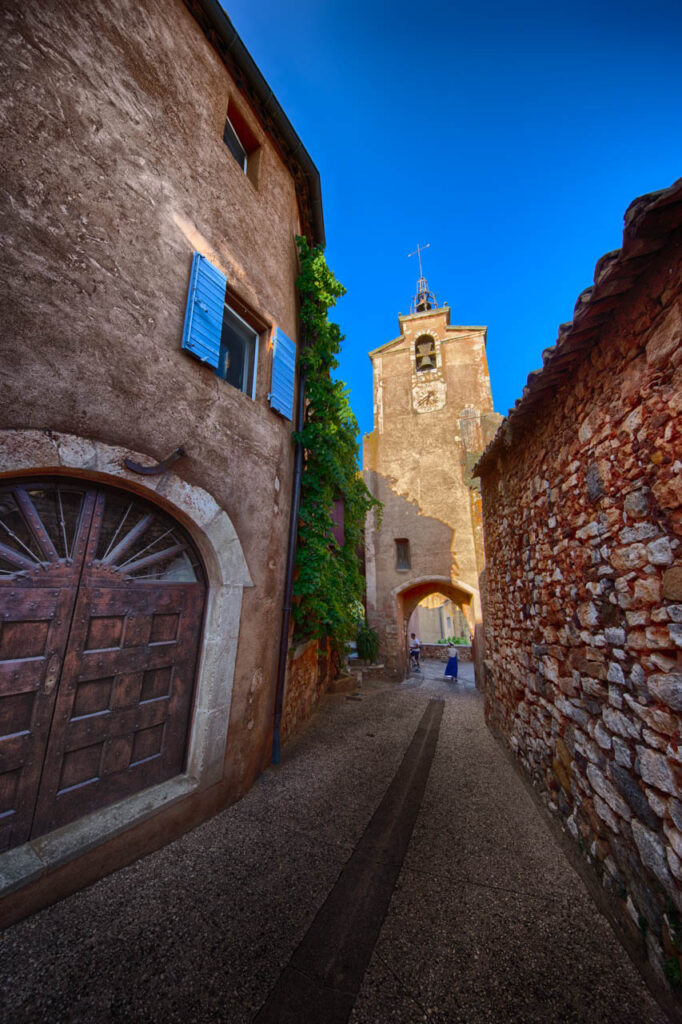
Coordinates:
(582, 500)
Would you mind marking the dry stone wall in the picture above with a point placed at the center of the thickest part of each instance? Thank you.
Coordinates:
(583, 669)
(309, 672)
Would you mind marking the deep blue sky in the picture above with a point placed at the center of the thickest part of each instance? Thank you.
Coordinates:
(511, 137)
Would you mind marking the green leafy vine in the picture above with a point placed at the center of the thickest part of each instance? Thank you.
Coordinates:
(328, 579)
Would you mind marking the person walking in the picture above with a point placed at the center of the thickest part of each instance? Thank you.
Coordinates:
(452, 667)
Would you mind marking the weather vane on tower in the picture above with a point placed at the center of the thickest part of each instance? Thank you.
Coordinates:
(424, 299)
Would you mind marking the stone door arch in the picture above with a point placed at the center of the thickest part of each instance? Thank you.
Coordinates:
(101, 604)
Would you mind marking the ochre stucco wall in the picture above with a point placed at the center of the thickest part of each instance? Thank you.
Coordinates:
(113, 172)
(583, 670)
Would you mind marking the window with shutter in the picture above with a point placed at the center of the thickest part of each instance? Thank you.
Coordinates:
(204, 315)
(283, 373)
(215, 333)
(238, 349)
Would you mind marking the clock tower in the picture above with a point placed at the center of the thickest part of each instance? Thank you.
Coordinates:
(433, 415)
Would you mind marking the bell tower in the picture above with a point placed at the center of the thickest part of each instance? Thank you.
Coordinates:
(433, 415)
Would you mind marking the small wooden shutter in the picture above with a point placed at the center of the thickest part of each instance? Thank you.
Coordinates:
(283, 373)
(204, 315)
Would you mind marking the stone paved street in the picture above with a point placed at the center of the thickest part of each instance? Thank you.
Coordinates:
(487, 921)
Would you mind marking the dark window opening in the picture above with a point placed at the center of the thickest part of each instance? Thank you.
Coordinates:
(402, 554)
(242, 143)
(238, 351)
(232, 141)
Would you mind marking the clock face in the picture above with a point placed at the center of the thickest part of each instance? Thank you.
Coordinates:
(428, 397)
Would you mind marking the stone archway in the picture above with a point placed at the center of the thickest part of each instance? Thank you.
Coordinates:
(411, 593)
(28, 453)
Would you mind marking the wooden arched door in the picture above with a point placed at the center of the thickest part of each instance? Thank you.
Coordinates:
(101, 603)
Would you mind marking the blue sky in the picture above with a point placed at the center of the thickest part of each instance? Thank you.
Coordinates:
(509, 137)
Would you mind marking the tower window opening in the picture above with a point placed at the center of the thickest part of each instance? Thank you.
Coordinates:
(402, 553)
(425, 353)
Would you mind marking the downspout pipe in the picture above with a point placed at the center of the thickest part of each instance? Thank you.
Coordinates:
(289, 578)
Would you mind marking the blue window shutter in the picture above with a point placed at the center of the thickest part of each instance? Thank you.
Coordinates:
(283, 374)
(204, 314)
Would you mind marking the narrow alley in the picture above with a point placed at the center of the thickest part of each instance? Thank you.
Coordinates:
(486, 921)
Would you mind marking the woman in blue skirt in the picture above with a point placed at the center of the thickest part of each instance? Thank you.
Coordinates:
(452, 666)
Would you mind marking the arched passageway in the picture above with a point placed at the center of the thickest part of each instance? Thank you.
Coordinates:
(409, 597)
(437, 619)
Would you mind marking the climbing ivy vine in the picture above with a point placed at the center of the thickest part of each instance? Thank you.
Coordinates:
(328, 581)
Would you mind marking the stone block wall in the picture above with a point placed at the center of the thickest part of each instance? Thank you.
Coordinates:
(583, 619)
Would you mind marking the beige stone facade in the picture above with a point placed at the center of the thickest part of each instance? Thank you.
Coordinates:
(433, 413)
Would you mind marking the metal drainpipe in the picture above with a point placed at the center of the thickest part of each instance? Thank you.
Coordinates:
(289, 579)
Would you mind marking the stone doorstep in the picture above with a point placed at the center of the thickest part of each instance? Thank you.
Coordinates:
(24, 864)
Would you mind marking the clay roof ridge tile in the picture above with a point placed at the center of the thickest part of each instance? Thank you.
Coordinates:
(642, 204)
(605, 265)
(582, 302)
